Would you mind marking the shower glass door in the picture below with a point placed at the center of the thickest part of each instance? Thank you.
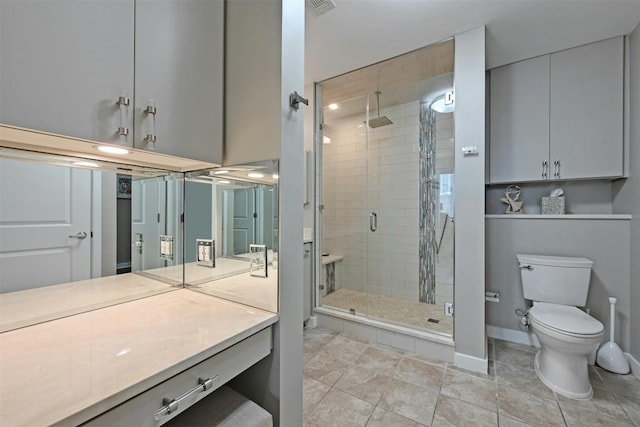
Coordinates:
(387, 174)
(343, 278)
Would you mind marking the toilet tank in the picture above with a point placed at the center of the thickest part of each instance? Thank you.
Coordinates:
(555, 279)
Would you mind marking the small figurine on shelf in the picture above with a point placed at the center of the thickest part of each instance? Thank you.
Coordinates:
(511, 198)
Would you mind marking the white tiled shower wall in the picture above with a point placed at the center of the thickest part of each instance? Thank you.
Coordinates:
(391, 252)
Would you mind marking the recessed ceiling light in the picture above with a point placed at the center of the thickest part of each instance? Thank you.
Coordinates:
(223, 181)
(255, 175)
(333, 106)
(275, 176)
(326, 139)
(87, 164)
(112, 150)
(220, 172)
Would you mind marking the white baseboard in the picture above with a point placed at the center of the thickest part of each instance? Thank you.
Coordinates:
(635, 365)
(512, 335)
(312, 322)
(471, 363)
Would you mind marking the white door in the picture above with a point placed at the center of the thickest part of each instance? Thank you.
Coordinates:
(45, 225)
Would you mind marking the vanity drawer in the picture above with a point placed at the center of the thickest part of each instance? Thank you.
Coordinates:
(163, 402)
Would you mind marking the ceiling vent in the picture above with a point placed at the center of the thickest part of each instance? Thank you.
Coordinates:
(321, 6)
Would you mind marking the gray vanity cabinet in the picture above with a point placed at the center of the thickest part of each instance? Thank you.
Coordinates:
(559, 116)
(179, 61)
(63, 65)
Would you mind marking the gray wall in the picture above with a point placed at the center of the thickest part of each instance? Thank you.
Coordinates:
(627, 192)
(267, 63)
(606, 242)
(470, 339)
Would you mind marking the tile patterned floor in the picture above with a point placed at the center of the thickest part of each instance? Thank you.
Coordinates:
(395, 310)
(350, 382)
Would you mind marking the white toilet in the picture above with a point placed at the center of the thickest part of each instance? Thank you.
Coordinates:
(567, 335)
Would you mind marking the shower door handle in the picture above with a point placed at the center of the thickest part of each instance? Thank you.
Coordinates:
(373, 221)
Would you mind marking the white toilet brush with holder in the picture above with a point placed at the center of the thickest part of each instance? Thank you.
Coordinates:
(610, 355)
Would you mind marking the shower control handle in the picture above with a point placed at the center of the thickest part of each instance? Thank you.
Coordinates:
(373, 221)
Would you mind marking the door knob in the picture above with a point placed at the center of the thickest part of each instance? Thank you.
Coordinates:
(80, 235)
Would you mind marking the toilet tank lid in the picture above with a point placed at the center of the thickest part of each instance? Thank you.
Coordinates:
(555, 261)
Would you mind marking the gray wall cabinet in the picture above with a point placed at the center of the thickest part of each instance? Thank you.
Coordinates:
(179, 60)
(586, 119)
(519, 121)
(559, 116)
(64, 65)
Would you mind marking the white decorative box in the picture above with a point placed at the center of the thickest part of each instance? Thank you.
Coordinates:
(553, 205)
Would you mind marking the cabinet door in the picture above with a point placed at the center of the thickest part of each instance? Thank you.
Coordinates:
(519, 121)
(586, 110)
(179, 65)
(63, 65)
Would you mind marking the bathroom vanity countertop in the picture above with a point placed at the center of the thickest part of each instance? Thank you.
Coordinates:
(24, 308)
(195, 273)
(328, 259)
(257, 292)
(72, 369)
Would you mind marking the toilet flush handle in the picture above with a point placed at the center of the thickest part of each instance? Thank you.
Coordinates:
(526, 266)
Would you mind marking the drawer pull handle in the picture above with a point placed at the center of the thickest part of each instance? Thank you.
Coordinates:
(170, 406)
(207, 384)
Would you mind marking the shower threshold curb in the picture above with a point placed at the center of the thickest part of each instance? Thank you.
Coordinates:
(434, 337)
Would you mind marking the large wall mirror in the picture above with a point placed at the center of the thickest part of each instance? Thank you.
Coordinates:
(67, 226)
(231, 233)
(77, 236)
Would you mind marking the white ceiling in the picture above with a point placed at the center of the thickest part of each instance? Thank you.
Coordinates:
(362, 32)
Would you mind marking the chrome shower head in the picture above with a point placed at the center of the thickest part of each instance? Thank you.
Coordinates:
(379, 121)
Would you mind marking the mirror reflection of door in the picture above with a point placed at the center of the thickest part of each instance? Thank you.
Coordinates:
(45, 225)
(244, 219)
(267, 220)
(147, 223)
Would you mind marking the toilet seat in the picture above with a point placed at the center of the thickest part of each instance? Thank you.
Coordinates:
(565, 320)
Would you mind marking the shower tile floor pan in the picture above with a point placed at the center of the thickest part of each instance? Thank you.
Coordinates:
(394, 310)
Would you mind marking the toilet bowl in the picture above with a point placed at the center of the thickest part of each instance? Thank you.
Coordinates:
(567, 336)
(557, 286)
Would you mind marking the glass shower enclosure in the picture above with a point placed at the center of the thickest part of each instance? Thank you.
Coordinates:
(386, 175)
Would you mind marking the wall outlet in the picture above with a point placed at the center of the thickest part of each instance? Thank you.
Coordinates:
(166, 247)
(492, 296)
(448, 309)
(206, 252)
